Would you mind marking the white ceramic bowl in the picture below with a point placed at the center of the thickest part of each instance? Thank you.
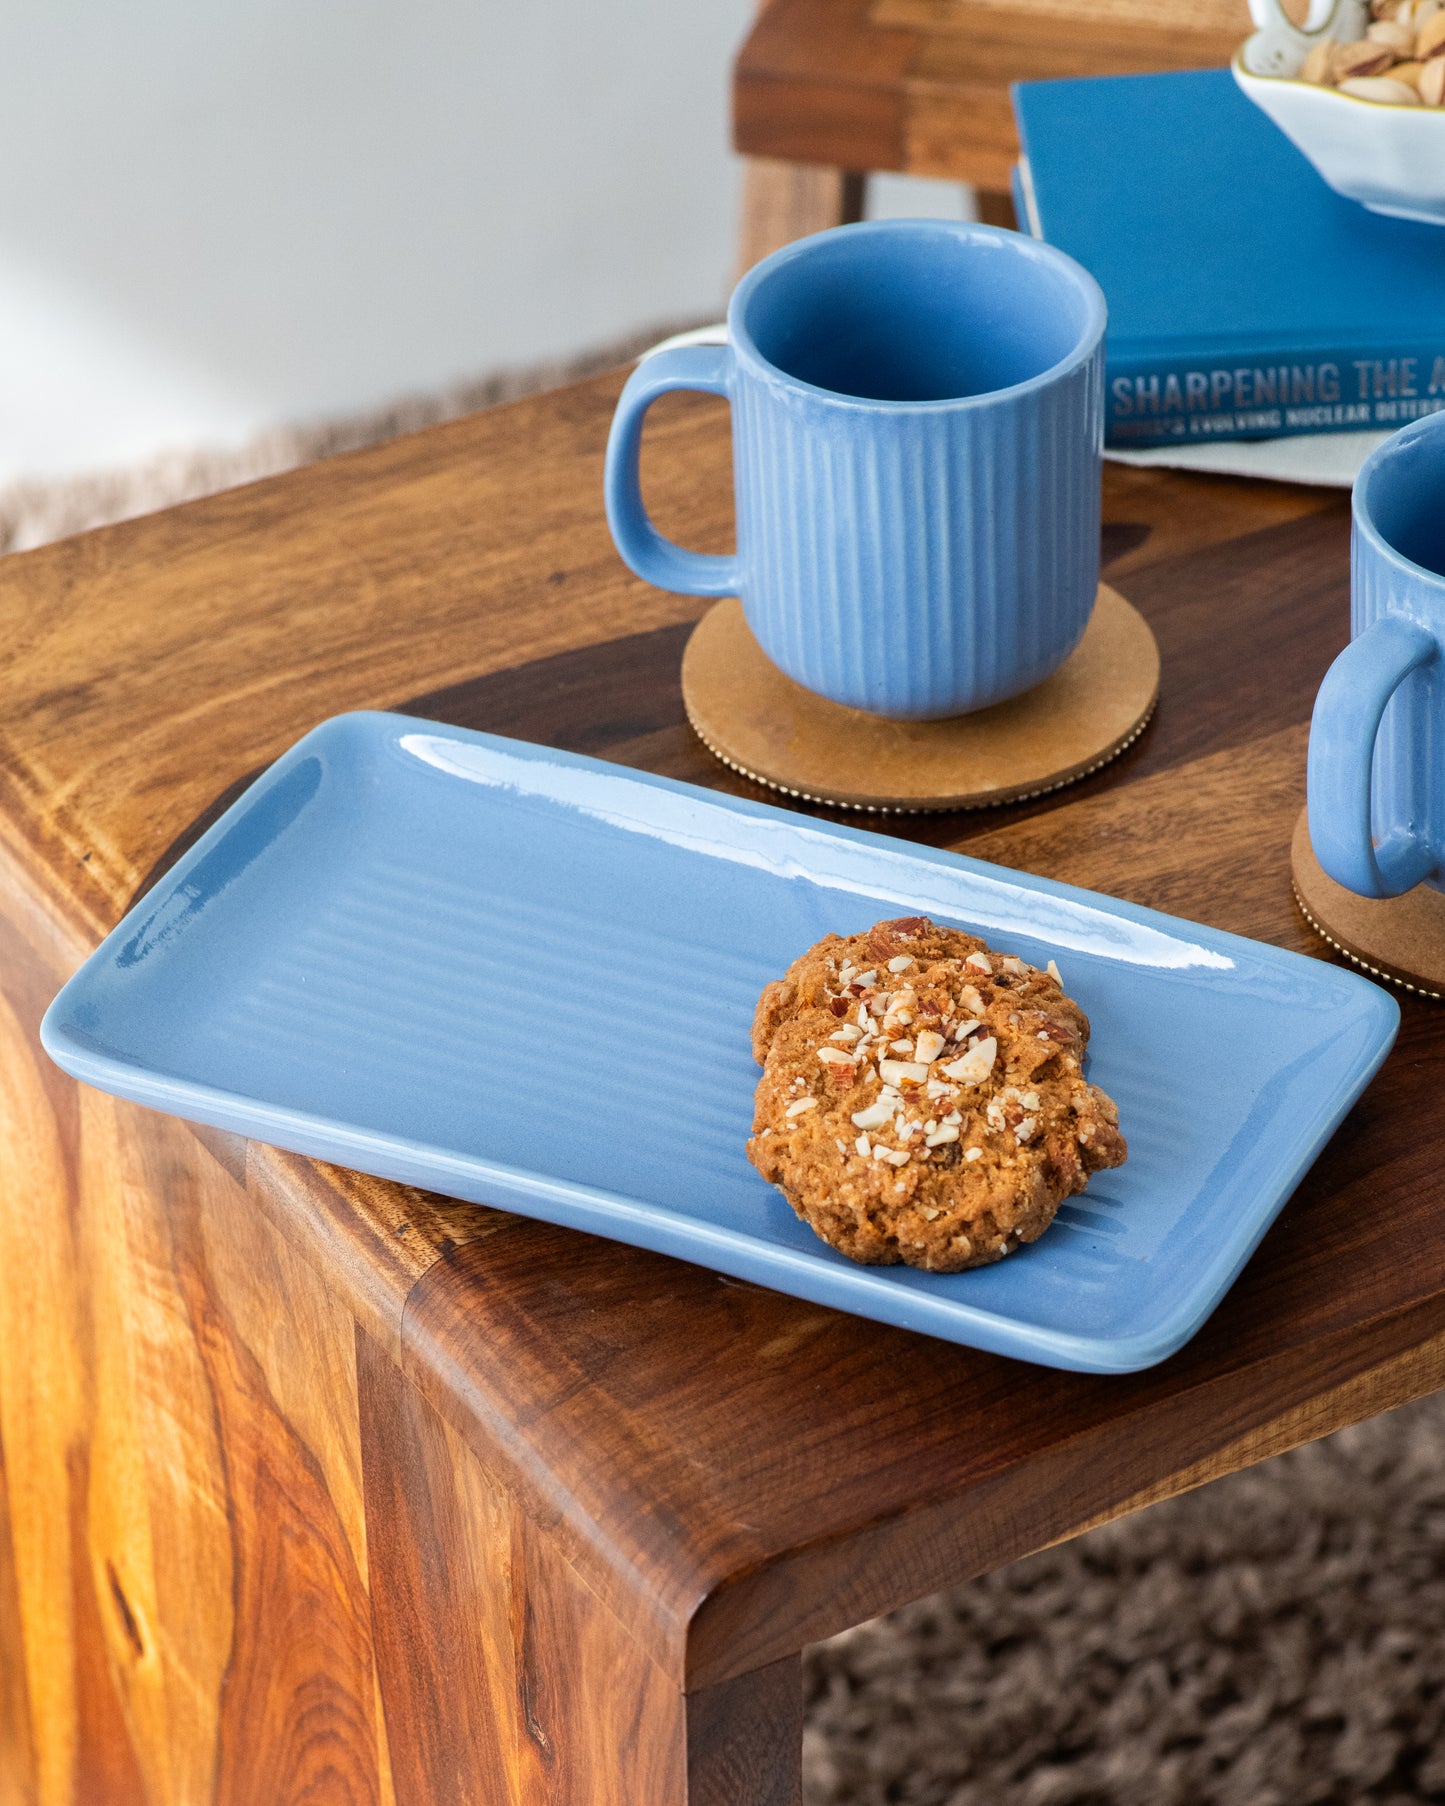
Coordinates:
(1389, 158)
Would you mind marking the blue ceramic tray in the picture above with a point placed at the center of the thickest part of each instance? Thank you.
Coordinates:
(526, 979)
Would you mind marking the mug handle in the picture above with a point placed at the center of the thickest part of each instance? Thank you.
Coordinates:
(1346, 721)
(643, 548)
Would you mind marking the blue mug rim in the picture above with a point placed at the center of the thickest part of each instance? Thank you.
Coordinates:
(1363, 520)
(1092, 333)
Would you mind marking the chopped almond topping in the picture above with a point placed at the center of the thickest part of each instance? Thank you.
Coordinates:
(874, 1116)
(799, 1105)
(973, 1153)
(846, 1033)
(966, 1028)
(1053, 971)
(864, 1146)
(946, 1133)
(901, 1047)
(835, 1056)
(903, 1072)
(980, 963)
(976, 1064)
(898, 1011)
(929, 1045)
(1016, 966)
(900, 962)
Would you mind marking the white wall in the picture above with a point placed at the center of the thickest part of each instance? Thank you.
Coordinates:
(218, 218)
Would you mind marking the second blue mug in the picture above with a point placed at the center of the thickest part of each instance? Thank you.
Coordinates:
(917, 442)
(1377, 737)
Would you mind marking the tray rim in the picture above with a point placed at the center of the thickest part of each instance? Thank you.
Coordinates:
(600, 1211)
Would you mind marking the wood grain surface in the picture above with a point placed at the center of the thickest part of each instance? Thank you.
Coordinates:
(312, 1487)
(922, 85)
(785, 201)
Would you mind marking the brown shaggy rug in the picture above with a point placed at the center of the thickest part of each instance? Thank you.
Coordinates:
(1276, 1639)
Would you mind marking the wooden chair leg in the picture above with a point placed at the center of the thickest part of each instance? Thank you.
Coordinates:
(783, 201)
(995, 208)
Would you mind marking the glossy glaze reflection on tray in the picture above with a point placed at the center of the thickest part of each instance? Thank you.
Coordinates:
(526, 978)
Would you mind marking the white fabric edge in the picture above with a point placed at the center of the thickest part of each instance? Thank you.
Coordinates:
(716, 334)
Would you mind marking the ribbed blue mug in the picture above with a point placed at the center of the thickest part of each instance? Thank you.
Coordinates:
(1377, 739)
(917, 441)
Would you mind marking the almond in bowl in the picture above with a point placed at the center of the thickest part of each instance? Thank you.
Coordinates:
(1362, 96)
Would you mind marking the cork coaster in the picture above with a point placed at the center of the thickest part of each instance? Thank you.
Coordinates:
(770, 729)
(1400, 939)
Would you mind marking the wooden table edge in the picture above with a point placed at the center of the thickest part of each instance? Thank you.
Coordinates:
(960, 1536)
(708, 1625)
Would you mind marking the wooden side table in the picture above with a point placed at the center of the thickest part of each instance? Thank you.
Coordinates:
(826, 90)
(317, 1489)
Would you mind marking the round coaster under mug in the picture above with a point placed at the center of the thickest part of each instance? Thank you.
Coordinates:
(1400, 939)
(762, 724)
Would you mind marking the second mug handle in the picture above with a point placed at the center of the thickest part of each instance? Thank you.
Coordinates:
(643, 548)
(1346, 721)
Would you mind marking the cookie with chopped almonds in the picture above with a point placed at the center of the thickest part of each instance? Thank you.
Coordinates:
(923, 1097)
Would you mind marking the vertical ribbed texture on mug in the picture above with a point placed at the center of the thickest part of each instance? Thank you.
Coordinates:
(1408, 778)
(919, 561)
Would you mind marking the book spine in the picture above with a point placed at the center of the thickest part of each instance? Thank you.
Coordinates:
(1156, 402)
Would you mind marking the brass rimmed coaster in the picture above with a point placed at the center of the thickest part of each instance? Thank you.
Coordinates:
(1399, 939)
(762, 724)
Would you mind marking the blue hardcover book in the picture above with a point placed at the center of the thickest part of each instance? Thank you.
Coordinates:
(1246, 298)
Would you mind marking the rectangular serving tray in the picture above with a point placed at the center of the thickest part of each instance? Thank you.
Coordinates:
(526, 979)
